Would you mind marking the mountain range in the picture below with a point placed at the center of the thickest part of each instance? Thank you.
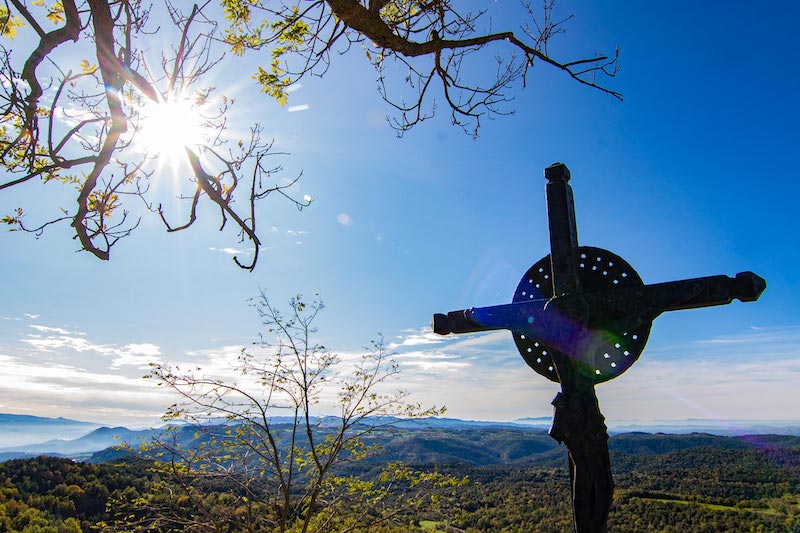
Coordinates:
(427, 440)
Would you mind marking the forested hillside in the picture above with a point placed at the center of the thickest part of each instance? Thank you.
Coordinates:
(672, 483)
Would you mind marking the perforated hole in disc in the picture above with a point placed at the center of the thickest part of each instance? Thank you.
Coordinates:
(610, 353)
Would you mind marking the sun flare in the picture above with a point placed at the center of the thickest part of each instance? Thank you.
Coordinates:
(168, 127)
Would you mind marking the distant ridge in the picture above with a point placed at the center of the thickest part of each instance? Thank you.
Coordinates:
(98, 439)
(728, 428)
(17, 430)
(722, 427)
(31, 419)
(26, 435)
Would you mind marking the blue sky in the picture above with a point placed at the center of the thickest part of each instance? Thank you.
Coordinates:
(693, 174)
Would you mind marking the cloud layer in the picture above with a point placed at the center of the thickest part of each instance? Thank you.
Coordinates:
(54, 370)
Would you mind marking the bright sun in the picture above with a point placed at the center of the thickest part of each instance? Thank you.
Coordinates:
(168, 127)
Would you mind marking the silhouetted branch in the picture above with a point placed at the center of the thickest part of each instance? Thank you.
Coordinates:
(94, 117)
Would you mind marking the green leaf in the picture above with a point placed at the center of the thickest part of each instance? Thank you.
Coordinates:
(56, 13)
(9, 25)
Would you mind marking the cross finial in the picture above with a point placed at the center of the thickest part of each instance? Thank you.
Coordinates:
(557, 171)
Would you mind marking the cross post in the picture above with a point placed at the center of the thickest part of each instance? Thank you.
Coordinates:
(577, 420)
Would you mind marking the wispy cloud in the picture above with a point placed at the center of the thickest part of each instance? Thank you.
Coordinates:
(436, 362)
(54, 342)
(421, 338)
(290, 232)
(72, 116)
(483, 376)
(136, 355)
(759, 336)
(220, 362)
(751, 375)
(231, 251)
(773, 343)
(97, 381)
(39, 386)
(475, 376)
(55, 339)
(47, 329)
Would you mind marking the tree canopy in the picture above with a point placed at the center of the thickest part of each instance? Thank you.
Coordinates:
(79, 83)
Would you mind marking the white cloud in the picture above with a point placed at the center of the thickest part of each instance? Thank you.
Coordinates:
(19, 83)
(138, 355)
(752, 375)
(47, 329)
(48, 389)
(72, 116)
(436, 366)
(432, 362)
(759, 336)
(482, 376)
(145, 349)
(423, 337)
(218, 362)
(296, 108)
(55, 342)
(231, 251)
(426, 356)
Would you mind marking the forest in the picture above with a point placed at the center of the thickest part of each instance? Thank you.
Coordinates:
(663, 483)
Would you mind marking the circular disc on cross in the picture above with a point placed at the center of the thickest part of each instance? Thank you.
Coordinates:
(608, 351)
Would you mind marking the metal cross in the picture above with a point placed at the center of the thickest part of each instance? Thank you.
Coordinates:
(581, 316)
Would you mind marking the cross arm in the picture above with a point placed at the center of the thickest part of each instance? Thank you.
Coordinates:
(512, 316)
(626, 306)
(639, 304)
